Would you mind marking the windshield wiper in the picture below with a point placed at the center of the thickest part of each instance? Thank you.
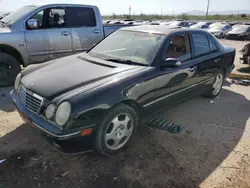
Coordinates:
(123, 61)
(2, 23)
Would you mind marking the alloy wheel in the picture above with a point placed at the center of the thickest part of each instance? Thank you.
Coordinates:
(218, 84)
(119, 131)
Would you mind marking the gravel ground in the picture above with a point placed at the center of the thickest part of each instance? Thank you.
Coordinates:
(212, 151)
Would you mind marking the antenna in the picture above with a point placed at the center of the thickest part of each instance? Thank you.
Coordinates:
(208, 5)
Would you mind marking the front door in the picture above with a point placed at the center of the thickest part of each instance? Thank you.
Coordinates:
(52, 39)
(176, 84)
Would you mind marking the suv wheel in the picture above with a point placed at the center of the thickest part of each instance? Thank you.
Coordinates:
(9, 69)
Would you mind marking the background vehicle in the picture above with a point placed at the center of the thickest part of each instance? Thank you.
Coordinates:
(200, 26)
(178, 23)
(220, 30)
(239, 32)
(35, 34)
(149, 69)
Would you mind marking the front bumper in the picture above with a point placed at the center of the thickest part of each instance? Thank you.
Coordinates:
(234, 37)
(69, 141)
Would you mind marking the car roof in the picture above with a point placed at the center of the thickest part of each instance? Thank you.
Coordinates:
(160, 29)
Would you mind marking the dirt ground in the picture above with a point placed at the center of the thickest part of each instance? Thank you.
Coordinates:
(213, 151)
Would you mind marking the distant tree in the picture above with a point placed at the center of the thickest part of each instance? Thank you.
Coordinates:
(243, 15)
(184, 16)
(114, 16)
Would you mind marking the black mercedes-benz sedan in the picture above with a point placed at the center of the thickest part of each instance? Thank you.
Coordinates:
(95, 100)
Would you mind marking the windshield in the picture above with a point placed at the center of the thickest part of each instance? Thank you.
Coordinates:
(137, 47)
(241, 28)
(16, 15)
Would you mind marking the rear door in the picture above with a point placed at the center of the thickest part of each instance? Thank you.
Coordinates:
(207, 56)
(86, 27)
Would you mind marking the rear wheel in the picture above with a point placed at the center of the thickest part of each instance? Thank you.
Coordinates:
(116, 130)
(9, 69)
(216, 87)
(221, 36)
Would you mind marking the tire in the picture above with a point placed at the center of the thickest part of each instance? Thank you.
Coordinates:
(215, 88)
(112, 125)
(221, 36)
(9, 69)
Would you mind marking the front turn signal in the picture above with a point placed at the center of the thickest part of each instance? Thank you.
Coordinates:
(86, 132)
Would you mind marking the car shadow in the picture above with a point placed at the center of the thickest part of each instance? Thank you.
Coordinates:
(155, 158)
(6, 104)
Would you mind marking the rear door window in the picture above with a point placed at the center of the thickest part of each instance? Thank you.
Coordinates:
(201, 44)
(212, 45)
(81, 17)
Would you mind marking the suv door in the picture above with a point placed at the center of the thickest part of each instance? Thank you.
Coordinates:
(37, 40)
(87, 30)
(52, 38)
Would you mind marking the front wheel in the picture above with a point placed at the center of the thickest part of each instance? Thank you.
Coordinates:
(116, 130)
(216, 87)
(9, 69)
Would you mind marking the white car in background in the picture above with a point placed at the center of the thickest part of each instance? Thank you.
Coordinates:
(220, 30)
(200, 26)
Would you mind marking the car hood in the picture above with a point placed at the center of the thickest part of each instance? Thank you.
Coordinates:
(214, 30)
(57, 77)
(236, 32)
(4, 29)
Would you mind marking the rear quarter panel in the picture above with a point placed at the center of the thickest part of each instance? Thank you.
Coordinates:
(228, 58)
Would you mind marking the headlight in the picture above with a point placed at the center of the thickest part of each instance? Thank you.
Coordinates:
(63, 113)
(50, 110)
(17, 81)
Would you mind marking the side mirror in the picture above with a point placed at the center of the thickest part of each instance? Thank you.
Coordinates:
(171, 63)
(32, 23)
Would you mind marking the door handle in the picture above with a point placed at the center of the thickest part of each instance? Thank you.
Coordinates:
(217, 60)
(96, 31)
(192, 69)
(65, 33)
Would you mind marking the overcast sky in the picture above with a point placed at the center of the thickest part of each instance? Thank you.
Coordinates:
(138, 6)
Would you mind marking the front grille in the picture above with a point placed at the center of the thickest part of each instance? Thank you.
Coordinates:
(31, 101)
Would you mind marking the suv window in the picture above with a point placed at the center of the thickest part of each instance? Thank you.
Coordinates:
(179, 47)
(39, 18)
(201, 45)
(50, 18)
(248, 29)
(56, 18)
(212, 45)
(81, 17)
